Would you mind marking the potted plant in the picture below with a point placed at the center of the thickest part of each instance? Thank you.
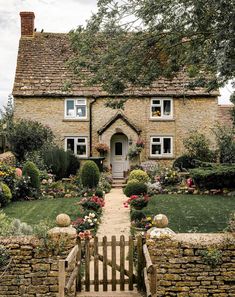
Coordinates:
(102, 148)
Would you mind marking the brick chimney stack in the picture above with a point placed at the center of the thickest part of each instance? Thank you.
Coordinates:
(27, 23)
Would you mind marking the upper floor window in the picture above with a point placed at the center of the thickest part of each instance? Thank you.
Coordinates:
(161, 108)
(78, 145)
(76, 108)
(161, 146)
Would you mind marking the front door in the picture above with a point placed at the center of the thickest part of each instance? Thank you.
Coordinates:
(119, 146)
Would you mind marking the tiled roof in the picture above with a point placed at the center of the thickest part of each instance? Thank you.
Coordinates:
(42, 71)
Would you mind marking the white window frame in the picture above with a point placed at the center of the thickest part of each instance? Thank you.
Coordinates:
(161, 142)
(75, 145)
(75, 116)
(161, 105)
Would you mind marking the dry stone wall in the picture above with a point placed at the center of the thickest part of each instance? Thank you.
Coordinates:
(33, 272)
(182, 272)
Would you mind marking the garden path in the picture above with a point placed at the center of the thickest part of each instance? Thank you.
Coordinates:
(115, 219)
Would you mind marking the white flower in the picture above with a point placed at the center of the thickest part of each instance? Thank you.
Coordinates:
(92, 215)
(95, 220)
(89, 221)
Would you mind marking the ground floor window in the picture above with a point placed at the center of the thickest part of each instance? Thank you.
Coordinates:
(161, 146)
(78, 145)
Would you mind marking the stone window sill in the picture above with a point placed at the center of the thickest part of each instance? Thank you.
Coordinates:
(161, 157)
(75, 120)
(162, 120)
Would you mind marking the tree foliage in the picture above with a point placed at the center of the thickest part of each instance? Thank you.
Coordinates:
(27, 136)
(134, 42)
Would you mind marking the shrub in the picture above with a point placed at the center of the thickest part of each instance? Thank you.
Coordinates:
(136, 188)
(197, 147)
(90, 174)
(169, 176)
(184, 162)
(99, 193)
(138, 202)
(93, 203)
(73, 164)
(139, 175)
(217, 177)
(226, 143)
(231, 223)
(7, 175)
(23, 189)
(61, 163)
(137, 215)
(5, 194)
(31, 170)
(27, 136)
(131, 181)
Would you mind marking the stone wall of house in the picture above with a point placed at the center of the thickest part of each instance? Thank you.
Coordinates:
(181, 270)
(8, 158)
(189, 114)
(224, 115)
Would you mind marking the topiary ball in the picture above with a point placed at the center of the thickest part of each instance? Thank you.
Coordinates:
(63, 220)
(160, 221)
(139, 175)
(5, 194)
(90, 174)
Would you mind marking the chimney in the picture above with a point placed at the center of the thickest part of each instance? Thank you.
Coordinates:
(27, 23)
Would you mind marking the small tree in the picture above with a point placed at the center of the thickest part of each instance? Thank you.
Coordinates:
(26, 136)
(90, 174)
(197, 147)
(225, 138)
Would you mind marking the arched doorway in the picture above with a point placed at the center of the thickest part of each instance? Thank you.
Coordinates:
(119, 149)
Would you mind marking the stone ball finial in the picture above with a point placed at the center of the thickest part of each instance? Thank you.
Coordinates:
(160, 221)
(63, 220)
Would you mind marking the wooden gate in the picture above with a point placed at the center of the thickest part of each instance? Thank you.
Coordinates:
(95, 265)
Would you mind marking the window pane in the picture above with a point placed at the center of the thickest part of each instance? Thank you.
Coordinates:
(81, 150)
(167, 107)
(156, 111)
(167, 145)
(81, 102)
(81, 140)
(81, 111)
(156, 149)
(118, 148)
(156, 139)
(70, 108)
(156, 101)
(70, 144)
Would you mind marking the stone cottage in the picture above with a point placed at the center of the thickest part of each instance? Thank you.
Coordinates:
(46, 90)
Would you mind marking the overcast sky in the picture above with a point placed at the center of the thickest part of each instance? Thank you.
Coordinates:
(50, 15)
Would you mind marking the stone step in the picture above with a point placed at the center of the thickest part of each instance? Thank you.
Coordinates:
(119, 180)
(118, 185)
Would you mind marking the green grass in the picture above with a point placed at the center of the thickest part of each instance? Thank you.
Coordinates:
(34, 211)
(193, 213)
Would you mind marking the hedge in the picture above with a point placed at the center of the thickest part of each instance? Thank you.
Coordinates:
(217, 177)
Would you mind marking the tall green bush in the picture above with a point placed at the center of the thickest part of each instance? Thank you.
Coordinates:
(225, 138)
(198, 147)
(31, 170)
(90, 174)
(60, 162)
(27, 136)
(5, 194)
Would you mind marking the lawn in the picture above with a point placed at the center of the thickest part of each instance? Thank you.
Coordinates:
(34, 211)
(193, 213)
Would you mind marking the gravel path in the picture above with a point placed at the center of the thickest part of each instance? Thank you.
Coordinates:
(115, 219)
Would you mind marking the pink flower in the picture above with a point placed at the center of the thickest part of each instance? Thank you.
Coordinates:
(18, 172)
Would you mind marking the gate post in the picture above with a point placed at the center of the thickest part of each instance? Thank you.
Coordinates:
(140, 262)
